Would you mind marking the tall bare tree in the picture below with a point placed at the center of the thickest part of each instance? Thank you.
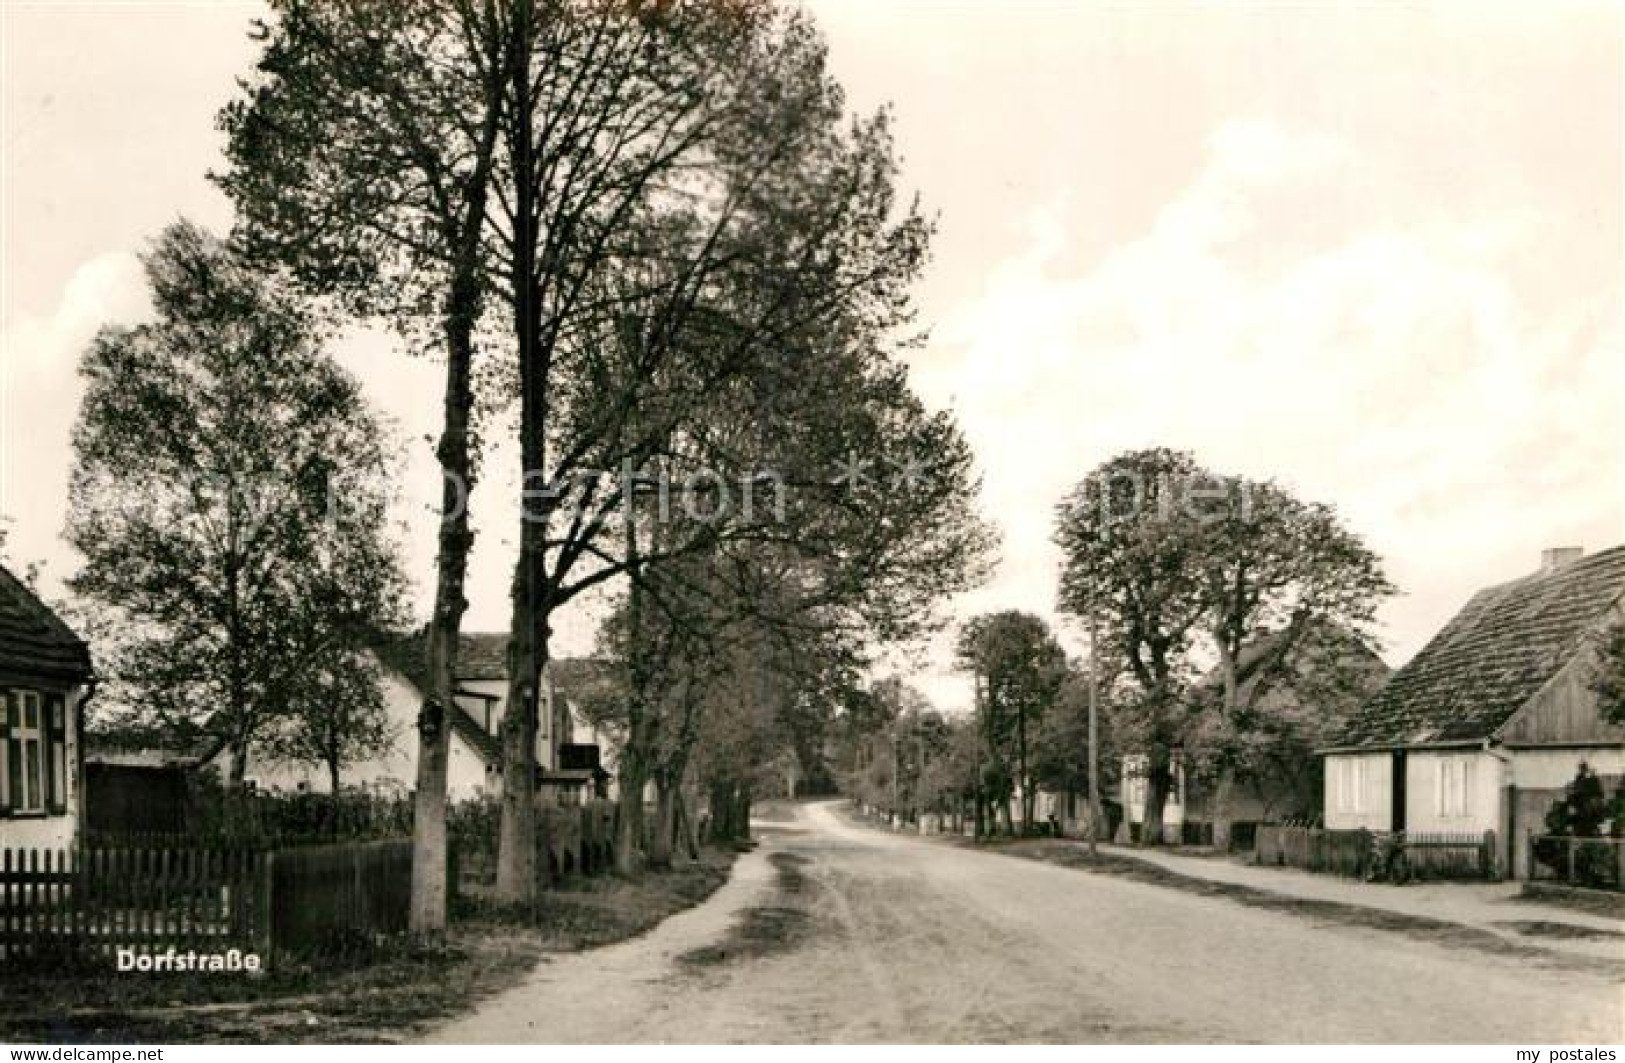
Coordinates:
(362, 155)
(685, 200)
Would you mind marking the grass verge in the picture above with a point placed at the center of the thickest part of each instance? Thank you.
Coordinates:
(397, 993)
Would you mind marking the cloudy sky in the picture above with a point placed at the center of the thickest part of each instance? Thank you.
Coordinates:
(1373, 251)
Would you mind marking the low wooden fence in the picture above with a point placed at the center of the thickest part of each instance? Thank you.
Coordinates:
(1596, 863)
(571, 841)
(329, 900)
(1337, 852)
(101, 901)
(104, 900)
(1451, 856)
(1348, 852)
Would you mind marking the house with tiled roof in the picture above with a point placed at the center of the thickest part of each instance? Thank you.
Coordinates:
(1486, 725)
(474, 760)
(45, 680)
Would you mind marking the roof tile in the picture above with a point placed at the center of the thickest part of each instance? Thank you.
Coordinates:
(1492, 657)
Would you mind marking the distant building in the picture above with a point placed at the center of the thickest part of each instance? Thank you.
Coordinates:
(1486, 725)
(45, 680)
(474, 760)
(1323, 683)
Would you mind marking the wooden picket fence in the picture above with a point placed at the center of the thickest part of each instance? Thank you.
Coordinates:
(570, 841)
(1347, 852)
(1450, 855)
(1337, 852)
(101, 900)
(332, 899)
(278, 904)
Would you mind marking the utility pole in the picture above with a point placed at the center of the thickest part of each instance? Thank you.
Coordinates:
(1095, 811)
(896, 773)
(976, 681)
(919, 777)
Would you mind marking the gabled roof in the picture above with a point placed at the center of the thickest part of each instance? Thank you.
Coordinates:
(1496, 654)
(33, 640)
(481, 655)
(1320, 652)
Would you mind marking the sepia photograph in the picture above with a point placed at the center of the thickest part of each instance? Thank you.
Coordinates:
(812, 522)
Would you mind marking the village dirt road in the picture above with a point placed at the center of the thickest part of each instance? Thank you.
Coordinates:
(833, 932)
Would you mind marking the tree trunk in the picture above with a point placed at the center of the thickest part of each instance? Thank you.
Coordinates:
(1026, 782)
(429, 887)
(527, 632)
(691, 838)
(1223, 798)
(629, 824)
(661, 839)
(1157, 784)
(635, 754)
(429, 862)
(516, 838)
(1097, 818)
(333, 800)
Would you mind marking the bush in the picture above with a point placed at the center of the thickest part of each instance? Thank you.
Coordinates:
(216, 815)
(471, 830)
(1580, 813)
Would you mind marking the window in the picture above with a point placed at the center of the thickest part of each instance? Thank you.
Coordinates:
(1453, 780)
(58, 745)
(26, 752)
(33, 753)
(1348, 784)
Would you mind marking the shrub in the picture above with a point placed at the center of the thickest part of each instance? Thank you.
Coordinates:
(1580, 813)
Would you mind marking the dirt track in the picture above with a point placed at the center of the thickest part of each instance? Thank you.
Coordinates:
(838, 933)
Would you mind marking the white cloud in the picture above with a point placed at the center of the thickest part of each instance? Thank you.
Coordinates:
(1279, 326)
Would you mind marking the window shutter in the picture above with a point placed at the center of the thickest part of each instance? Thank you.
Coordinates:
(8, 714)
(56, 754)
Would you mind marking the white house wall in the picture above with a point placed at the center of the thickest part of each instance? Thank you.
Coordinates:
(1132, 792)
(466, 774)
(1553, 769)
(1486, 776)
(395, 768)
(1372, 807)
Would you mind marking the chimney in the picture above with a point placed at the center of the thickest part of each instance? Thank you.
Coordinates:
(1557, 557)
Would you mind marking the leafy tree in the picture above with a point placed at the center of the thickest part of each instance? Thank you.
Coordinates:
(1285, 712)
(1608, 681)
(729, 213)
(660, 200)
(362, 156)
(341, 719)
(207, 508)
(1022, 669)
(1178, 561)
(1271, 563)
(1131, 541)
(1061, 746)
